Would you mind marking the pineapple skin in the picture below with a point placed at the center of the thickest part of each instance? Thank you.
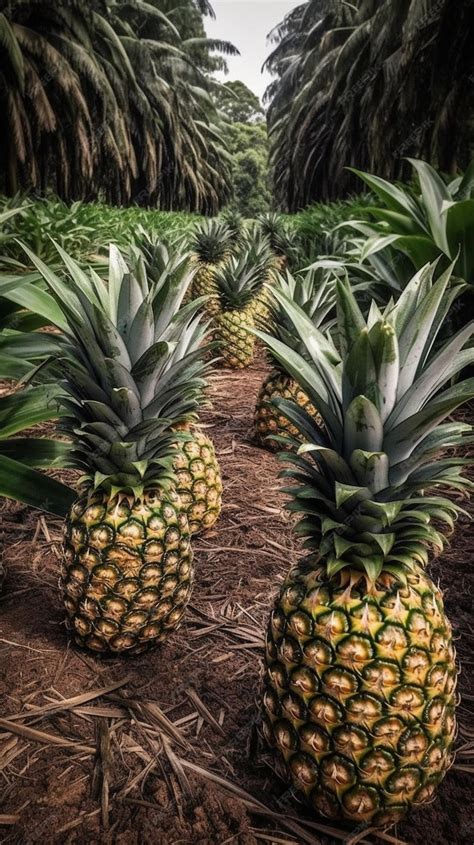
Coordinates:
(127, 570)
(268, 421)
(262, 311)
(360, 693)
(236, 344)
(204, 285)
(199, 482)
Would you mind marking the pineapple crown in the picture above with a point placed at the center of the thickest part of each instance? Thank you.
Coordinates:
(235, 223)
(170, 273)
(212, 241)
(282, 238)
(133, 367)
(244, 274)
(315, 293)
(159, 253)
(362, 476)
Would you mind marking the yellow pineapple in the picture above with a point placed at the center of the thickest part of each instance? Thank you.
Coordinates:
(360, 664)
(132, 372)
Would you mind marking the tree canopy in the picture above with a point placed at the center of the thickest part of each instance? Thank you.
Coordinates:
(238, 103)
(367, 83)
(248, 143)
(112, 99)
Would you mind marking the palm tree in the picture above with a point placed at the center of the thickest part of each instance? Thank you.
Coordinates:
(108, 99)
(365, 84)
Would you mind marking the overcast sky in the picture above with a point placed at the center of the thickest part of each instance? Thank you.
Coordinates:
(247, 23)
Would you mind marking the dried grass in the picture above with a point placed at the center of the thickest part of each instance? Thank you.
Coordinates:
(147, 735)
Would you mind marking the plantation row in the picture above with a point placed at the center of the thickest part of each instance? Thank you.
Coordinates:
(371, 349)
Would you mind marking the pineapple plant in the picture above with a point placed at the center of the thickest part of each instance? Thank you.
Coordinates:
(314, 294)
(198, 475)
(262, 302)
(238, 282)
(131, 376)
(360, 678)
(212, 245)
(282, 239)
(235, 221)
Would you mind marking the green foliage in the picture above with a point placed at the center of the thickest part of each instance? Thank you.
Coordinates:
(81, 228)
(316, 227)
(211, 241)
(367, 83)
(248, 144)
(436, 221)
(133, 364)
(21, 350)
(243, 275)
(111, 99)
(238, 103)
(386, 402)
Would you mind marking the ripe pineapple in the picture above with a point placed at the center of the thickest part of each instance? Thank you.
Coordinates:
(238, 282)
(199, 482)
(360, 682)
(314, 294)
(212, 245)
(268, 421)
(131, 373)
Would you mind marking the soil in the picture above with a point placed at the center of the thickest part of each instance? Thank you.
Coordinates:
(171, 754)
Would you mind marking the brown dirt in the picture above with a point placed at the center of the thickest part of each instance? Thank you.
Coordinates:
(125, 776)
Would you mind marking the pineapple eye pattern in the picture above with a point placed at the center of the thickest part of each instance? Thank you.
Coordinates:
(371, 710)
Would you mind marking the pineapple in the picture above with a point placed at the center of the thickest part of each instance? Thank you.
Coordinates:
(282, 238)
(235, 221)
(131, 374)
(238, 282)
(360, 664)
(314, 293)
(269, 424)
(212, 246)
(199, 482)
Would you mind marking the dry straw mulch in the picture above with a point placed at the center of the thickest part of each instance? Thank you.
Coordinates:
(165, 748)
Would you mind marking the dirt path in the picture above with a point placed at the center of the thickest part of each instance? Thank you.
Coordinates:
(157, 747)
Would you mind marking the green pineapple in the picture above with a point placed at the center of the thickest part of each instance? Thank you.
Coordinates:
(314, 294)
(132, 373)
(238, 282)
(361, 675)
(211, 244)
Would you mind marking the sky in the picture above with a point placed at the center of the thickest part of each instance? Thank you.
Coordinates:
(247, 23)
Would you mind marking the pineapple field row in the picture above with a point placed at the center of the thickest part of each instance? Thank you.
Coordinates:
(236, 530)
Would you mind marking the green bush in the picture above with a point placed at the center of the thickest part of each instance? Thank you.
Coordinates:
(316, 224)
